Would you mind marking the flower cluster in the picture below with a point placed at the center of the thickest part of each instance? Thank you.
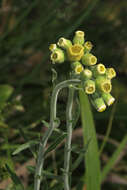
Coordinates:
(96, 78)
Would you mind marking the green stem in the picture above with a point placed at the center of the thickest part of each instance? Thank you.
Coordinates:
(41, 152)
(68, 139)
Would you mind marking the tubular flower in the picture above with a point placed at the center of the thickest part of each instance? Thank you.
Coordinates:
(108, 98)
(99, 104)
(89, 86)
(64, 43)
(111, 73)
(86, 74)
(103, 84)
(89, 59)
(75, 52)
(88, 46)
(52, 47)
(77, 67)
(95, 78)
(57, 56)
(98, 69)
(79, 37)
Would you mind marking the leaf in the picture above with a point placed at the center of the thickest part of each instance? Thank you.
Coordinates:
(114, 158)
(77, 162)
(57, 123)
(55, 129)
(15, 179)
(25, 146)
(5, 92)
(52, 176)
(77, 150)
(45, 123)
(26, 139)
(55, 143)
(31, 169)
(92, 163)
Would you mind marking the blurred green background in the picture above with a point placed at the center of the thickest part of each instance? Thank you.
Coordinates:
(27, 28)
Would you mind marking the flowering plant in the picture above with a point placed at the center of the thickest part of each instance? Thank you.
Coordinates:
(95, 78)
(86, 75)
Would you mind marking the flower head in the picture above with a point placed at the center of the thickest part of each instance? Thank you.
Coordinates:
(95, 78)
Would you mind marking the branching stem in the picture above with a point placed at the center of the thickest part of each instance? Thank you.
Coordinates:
(41, 152)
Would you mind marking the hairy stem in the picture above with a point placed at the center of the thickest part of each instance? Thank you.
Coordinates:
(41, 152)
(68, 139)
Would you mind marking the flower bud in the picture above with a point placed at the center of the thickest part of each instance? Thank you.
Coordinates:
(86, 74)
(110, 73)
(57, 56)
(89, 86)
(103, 84)
(77, 67)
(99, 104)
(88, 59)
(75, 52)
(108, 98)
(88, 46)
(52, 47)
(64, 43)
(79, 37)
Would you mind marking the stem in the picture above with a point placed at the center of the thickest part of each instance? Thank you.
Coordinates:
(68, 139)
(41, 152)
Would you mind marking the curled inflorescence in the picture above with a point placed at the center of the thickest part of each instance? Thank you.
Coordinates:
(95, 78)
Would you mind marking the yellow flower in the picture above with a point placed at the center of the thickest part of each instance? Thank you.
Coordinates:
(75, 52)
(79, 37)
(110, 73)
(103, 84)
(89, 59)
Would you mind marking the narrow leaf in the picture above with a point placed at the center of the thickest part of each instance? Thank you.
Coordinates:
(77, 162)
(52, 176)
(55, 143)
(25, 146)
(92, 163)
(15, 179)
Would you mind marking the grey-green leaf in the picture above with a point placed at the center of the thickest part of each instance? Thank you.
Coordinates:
(55, 143)
(25, 146)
